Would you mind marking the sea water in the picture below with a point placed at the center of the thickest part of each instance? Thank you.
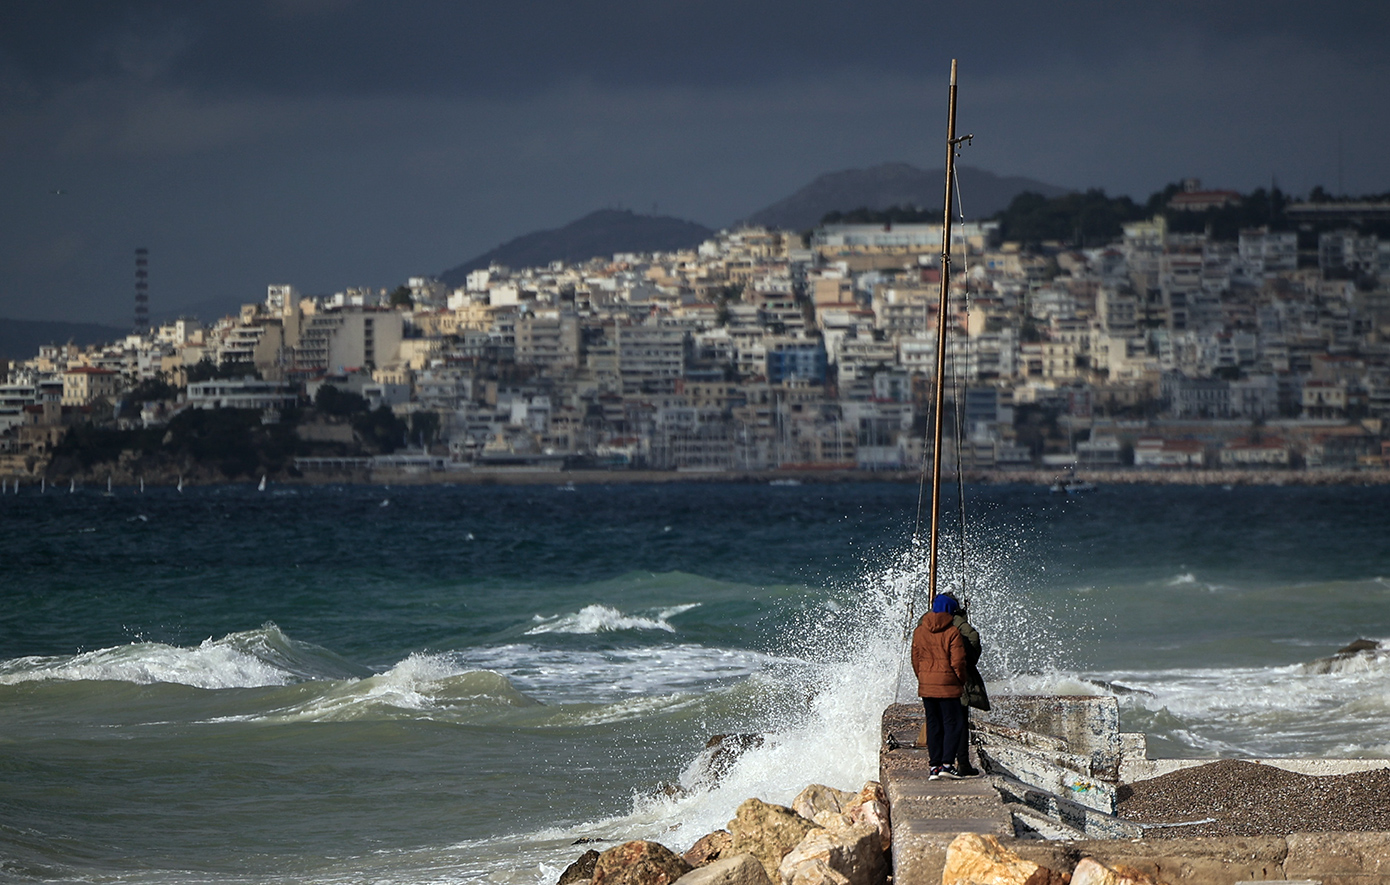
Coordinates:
(457, 684)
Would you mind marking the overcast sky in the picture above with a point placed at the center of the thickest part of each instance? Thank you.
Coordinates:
(336, 143)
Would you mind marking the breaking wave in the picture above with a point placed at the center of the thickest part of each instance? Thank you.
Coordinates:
(248, 659)
(602, 618)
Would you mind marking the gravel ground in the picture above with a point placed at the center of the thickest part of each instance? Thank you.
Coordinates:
(1249, 799)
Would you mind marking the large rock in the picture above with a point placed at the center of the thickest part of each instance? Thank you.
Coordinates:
(708, 848)
(975, 859)
(853, 851)
(740, 869)
(720, 754)
(817, 872)
(767, 832)
(580, 869)
(870, 807)
(817, 798)
(1092, 872)
(639, 863)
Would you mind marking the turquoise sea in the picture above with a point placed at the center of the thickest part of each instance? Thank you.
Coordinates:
(454, 684)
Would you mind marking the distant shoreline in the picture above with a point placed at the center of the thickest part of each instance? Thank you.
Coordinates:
(1044, 478)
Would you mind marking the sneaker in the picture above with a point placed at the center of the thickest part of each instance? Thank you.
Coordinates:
(967, 771)
(935, 773)
(949, 771)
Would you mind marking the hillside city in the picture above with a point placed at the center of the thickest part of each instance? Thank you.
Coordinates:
(763, 349)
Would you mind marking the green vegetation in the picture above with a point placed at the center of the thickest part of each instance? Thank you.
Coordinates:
(891, 215)
(401, 297)
(207, 370)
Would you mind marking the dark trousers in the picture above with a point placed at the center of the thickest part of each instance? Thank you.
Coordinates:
(945, 726)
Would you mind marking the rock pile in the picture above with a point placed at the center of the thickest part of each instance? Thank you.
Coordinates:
(1231, 797)
(827, 837)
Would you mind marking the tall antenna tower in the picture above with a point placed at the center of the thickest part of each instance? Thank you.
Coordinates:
(142, 290)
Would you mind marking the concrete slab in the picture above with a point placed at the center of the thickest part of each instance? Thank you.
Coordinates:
(928, 814)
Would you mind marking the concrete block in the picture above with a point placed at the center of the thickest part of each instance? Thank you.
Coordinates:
(1339, 857)
(1197, 861)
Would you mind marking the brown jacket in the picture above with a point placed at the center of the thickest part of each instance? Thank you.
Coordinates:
(938, 657)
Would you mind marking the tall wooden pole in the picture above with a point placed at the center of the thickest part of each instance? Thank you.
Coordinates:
(941, 311)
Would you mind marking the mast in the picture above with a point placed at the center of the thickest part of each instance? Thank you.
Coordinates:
(941, 310)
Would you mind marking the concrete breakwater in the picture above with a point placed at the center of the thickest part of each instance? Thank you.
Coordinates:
(1059, 779)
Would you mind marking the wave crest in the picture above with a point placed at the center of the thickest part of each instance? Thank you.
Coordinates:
(248, 659)
(603, 619)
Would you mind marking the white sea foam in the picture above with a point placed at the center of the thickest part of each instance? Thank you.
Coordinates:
(420, 686)
(1294, 710)
(606, 676)
(250, 659)
(602, 618)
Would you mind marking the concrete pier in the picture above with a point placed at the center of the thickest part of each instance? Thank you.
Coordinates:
(1076, 739)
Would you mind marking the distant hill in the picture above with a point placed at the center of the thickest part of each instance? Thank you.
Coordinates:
(600, 233)
(895, 184)
(21, 339)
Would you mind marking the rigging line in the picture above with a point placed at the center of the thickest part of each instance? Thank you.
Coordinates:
(960, 430)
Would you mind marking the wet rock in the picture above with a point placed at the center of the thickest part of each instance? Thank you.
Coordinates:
(1092, 872)
(1359, 645)
(708, 848)
(975, 859)
(767, 832)
(580, 869)
(817, 798)
(740, 869)
(721, 752)
(854, 852)
(639, 863)
(1360, 650)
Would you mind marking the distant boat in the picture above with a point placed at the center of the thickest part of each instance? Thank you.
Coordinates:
(1072, 486)
(261, 487)
(142, 485)
(785, 482)
(43, 485)
(72, 486)
(180, 485)
(109, 493)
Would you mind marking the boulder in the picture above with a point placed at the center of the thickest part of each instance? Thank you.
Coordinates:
(817, 872)
(1092, 872)
(580, 869)
(720, 754)
(767, 832)
(975, 859)
(817, 798)
(870, 806)
(639, 863)
(740, 869)
(708, 848)
(853, 851)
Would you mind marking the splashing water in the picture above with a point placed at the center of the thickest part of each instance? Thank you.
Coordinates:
(840, 663)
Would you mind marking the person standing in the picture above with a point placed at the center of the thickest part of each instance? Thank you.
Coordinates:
(973, 694)
(939, 660)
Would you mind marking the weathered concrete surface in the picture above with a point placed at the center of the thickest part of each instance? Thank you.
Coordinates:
(1339, 858)
(1214, 861)
(1144, 769)
(928, 814)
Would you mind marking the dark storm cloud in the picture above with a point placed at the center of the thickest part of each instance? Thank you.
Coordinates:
(503, 49)
(329, 143)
